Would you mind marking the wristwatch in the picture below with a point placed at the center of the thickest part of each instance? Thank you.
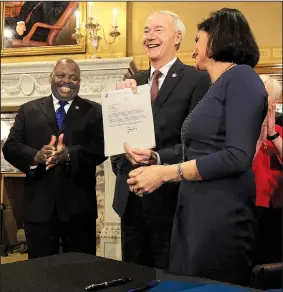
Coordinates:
(273, 137)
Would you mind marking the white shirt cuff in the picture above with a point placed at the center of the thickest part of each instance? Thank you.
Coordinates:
(33, 167)
(158, 162)
(19, 22)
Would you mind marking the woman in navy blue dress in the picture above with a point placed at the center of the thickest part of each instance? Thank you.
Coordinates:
(214, 228)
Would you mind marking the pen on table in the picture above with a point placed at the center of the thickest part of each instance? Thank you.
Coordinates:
(149, 285)
(112, 283)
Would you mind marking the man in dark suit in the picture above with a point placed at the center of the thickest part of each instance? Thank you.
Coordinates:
(146, 222)
(35, 11)
(58, 142)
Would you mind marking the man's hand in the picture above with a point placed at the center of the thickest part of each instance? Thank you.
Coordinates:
(60, 155)
(128, 83)
(21, 28)
(140, 156)
(45, 152)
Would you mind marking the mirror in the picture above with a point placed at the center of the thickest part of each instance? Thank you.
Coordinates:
(40, 27)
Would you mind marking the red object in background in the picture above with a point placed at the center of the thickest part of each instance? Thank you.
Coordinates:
(12, 9)
(267, 167)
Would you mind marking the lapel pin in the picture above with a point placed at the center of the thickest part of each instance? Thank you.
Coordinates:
(174, 75)
(76, 107)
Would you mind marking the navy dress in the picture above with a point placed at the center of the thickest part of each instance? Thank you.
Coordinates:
(214, 228)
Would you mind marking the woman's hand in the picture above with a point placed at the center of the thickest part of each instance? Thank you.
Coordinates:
(145, 180)
(271, 120)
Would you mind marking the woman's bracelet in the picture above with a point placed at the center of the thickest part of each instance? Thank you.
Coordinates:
(180, 172)
(273, 137)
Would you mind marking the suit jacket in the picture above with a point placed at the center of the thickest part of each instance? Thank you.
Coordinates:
(177, 96)
(47, 12)
(70, 187)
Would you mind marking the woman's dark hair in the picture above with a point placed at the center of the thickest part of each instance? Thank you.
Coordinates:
(230, 38)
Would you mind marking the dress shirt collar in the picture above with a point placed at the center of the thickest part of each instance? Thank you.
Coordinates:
(164, 70)
(56, 101)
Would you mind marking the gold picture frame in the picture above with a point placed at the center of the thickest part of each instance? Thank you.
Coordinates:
(44, 50)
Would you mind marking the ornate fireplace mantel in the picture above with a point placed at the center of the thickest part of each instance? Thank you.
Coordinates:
(23, 82)
(27, 81)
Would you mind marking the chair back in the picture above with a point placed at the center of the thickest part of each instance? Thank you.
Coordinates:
(267, 276)
(66, 15)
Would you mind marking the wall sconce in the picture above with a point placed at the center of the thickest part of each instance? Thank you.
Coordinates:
(93, 28)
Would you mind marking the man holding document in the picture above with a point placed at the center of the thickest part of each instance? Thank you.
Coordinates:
(175, 89)
(127, 116)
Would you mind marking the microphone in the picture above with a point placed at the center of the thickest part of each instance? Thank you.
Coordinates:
(112, 283)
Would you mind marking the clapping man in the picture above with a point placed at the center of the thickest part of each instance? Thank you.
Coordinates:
(58, 142)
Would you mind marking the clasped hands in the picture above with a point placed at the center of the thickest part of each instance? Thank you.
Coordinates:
(148, 177)
(51, 155)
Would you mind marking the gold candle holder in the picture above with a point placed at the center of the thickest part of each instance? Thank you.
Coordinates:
(77, 35)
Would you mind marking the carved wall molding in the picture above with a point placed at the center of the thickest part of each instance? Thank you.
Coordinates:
(87, 64)
(111, 230)
(26, 81)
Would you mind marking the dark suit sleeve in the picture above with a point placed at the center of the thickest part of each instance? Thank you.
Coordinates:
(171, 155)
(53, 10)
(14, 150)
(115, 162)
(245, 108)
(26, 9)
(200, 90)
(91, 153)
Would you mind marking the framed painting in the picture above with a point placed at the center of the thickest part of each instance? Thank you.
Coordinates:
(41, 28)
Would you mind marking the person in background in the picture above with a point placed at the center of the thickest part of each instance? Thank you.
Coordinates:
(35, 11)
(267, 166)
(146, 222)
(57, 141)
(214, 228)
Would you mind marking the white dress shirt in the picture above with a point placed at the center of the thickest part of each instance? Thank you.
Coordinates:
(164, 70)
(57, 105)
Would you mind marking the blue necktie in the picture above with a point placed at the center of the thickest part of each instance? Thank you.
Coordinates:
(60, 114)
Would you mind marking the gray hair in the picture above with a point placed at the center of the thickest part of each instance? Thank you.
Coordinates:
(274, 85)
(179, 25)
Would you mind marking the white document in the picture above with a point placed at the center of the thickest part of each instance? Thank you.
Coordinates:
(127, 117)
